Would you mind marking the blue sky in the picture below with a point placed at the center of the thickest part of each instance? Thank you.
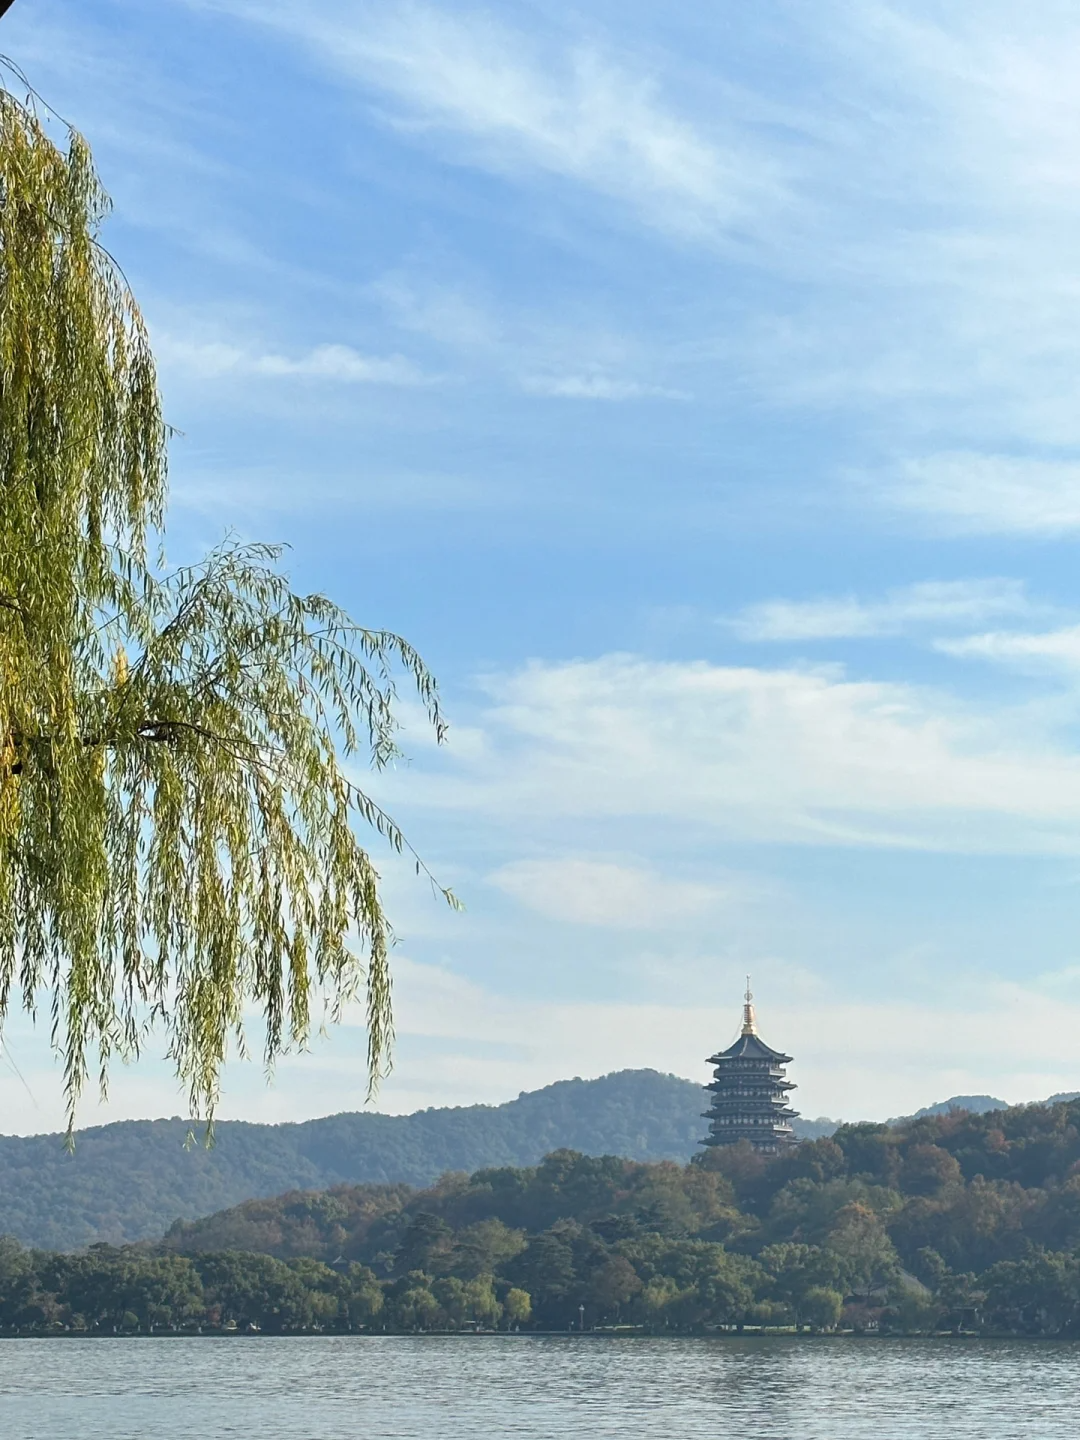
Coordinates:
(699, 389)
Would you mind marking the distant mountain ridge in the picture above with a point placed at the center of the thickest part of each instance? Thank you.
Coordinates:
(130, 1180)
(980, 1105)
(975, 1104)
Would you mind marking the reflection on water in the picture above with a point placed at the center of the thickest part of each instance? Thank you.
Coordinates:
(536, 1388)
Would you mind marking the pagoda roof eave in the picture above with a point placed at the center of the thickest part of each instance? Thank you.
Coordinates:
(760, 1052)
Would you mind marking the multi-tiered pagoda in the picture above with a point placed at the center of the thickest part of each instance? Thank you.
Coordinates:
(749, 1091)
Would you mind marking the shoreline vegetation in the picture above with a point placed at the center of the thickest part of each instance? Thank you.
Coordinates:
(956, 1225)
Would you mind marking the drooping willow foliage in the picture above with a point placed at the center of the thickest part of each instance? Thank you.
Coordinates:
(177, 844)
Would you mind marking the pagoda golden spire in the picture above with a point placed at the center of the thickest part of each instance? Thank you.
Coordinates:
(749, 1026)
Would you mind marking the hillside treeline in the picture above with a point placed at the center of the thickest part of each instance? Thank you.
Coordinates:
(951, 1222)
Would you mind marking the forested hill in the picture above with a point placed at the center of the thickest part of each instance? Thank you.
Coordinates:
(975, 1189)
(130, 1181)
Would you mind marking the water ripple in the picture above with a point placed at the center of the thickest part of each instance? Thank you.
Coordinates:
(536, 1388)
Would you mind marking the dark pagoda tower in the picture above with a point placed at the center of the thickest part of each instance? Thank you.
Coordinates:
(749, 1091)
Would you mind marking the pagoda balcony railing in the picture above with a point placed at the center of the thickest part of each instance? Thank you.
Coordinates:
(739, 1062)
(719, 1093)
(749, 1098)
(771, 1065)
(751, 1122)
(729, 1070)
(767, 1113)
(761, 1093)
(748, 1110)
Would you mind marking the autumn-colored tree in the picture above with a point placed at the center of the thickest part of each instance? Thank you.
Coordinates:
(859, 1240)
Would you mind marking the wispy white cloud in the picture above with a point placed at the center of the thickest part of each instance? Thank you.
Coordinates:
(990, 494)
(569, 358)
(514, 101)
(440, 310)
(596, 387)
(606, 893)
(909, 607)
(1050, 649)
(339, 364)
(764, 755)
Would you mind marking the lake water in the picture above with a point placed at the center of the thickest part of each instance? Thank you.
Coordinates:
(536, 1388)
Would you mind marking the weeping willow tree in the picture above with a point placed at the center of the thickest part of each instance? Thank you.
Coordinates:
(178, 843)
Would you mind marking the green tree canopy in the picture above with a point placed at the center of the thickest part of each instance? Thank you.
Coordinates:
(177, 815)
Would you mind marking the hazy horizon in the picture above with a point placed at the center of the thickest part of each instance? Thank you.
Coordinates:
(378, 1109)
